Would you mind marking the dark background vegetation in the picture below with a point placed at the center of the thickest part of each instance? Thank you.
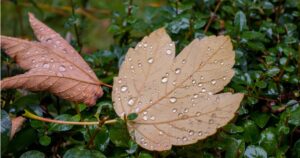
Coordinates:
(265, 35)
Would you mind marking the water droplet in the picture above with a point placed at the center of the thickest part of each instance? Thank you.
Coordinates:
(201, 77)
(164, 79)
(131, 67)
(51, 60)
(191, 132)
(213, 82)
(215, 61)
(200, 84)
(195, 95)
(221, 62)
(161, 133)
(211, 121)
(186, 110)
(130, 102)
(145, 118)
(174, 110)
(119, 81)
(169, 51)
(180, 114)
(150, 60)
(208, 48)
(60, 74)
(177, 71)
(203, 90)
(152, 118)
(137, 110)
(198, 113)
(139, 45)
(139, 64)
(183, 61)
(171, 44)
(210, 93)
(46, 66)
(224, 78)
(173, 100)
(62, 68)
(33, 61)
(193, 81)
(184, 138)
(200, 133)
(124, 88)
(145, 45)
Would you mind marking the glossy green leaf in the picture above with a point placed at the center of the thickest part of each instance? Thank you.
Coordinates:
(79, 152)
(61, 127)
(33, 154)
(240, 20)
(255, 152)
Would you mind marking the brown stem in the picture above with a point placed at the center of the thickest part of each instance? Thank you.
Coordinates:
(129, 7)
(212, 16)
(35, 117)
(106, 85)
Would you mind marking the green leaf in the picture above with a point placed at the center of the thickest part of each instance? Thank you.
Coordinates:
(295, 115)
(255, 152)
(251, 131)
(132, 147)
(33, 154)
(234, 147)
(61, 127)
(261, 119)
(232, 128)
(102, 139)
(240, 21)
(5, 130)
(132, 116)
(45, 140)
(118, 134)
(296, 149)
(273, 71)
(144, 155)
(268, 140)
(80, 152)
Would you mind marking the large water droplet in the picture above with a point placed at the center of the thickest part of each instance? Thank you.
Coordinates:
(150, 60)
(161, 133)
(203, 90)
(200, 84)
(173, 100)
(164, 79)
(124, 88)
(177, 71)
(62, 68)
(224, 78)
(193, 81)
(145, 45)
(184, 139)
(130, 102)
(169, 51)
(213, 82)
(46, 66)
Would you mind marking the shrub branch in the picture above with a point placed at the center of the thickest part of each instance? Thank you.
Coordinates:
(35, 117)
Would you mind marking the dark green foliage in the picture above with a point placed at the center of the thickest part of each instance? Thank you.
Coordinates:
(265, 35)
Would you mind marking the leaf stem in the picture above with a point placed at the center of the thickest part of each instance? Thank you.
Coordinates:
(35, 117)
(106, 85)
(212, 16)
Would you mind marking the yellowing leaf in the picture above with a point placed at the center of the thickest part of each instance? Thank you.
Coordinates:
(53, 66)
(175, 98)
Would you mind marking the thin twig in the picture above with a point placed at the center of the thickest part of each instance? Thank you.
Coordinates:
(76, 29)
(129, 7)
(212, 16)
(105, 84)
(35, 117)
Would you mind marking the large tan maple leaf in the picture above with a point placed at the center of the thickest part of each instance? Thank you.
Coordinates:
(175, 97)
(53, 66)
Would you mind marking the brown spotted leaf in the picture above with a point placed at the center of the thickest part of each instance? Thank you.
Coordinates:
(53, 66)
(176, 97)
